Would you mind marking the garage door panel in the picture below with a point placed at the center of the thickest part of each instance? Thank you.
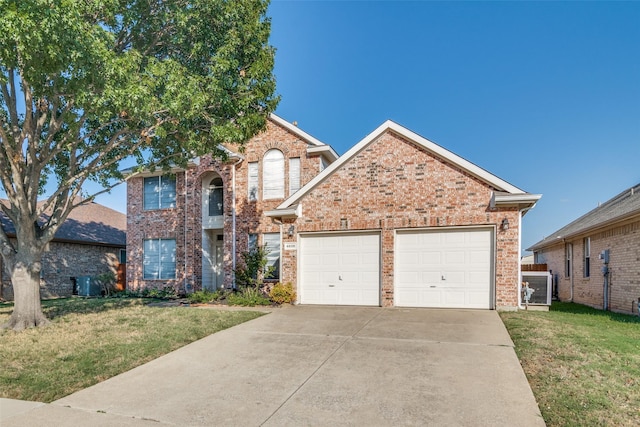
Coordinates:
(454, 268)
(350, 269)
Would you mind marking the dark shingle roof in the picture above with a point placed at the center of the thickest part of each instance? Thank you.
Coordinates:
(618, 208)
(91, 223)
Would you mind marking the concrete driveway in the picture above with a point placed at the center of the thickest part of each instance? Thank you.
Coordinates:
(318, 366)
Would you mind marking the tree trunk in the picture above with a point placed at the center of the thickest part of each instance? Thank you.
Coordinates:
(25, 278)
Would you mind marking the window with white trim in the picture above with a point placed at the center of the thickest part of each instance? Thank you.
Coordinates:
(568, 253)
(271, 241)
(216, 197)
(273, 175)
(252, 182)
(159, 192)
(587, 256)
(294, 175)
(252, 241)
(159, 259)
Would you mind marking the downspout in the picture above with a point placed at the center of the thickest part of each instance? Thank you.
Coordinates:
(233, 222)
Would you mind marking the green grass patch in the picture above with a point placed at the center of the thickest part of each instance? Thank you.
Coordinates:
(90, 340)
(583, 364)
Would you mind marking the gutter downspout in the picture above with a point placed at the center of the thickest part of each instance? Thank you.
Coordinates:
(186, 205)
(233, 221)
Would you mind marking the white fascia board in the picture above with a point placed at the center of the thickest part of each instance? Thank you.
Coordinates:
(294, 129)
(292, 212)
(415, 138)
(325, 150)
(514, 199)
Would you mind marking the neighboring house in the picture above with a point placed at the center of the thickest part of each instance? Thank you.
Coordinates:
(397, 220)
(91, 242)
(573, 255)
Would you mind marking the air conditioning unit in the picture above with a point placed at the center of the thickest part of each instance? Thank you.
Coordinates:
(540, 282)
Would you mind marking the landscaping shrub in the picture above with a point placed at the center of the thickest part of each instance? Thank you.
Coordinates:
(282, 293)
(205, 296)
(248, 297)
(255, 268)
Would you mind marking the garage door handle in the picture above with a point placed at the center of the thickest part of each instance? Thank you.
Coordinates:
(432, 286)
(332, 286)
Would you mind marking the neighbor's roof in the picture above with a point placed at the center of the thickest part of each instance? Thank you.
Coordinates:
(506, 190)
(91, 223)
(621, 207)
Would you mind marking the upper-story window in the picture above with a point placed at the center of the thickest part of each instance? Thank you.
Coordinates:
(294, 175)
(273, 175)
(252, 182)
(216, 197)
(159, 192)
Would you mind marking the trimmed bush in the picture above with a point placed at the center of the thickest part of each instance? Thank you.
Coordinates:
(282, 293)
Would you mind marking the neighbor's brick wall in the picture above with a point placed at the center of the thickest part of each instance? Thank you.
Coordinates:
(65, 260)
(392, 184)
(623, 242)
(170, 223)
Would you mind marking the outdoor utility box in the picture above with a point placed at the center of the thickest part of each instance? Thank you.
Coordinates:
(87, 287)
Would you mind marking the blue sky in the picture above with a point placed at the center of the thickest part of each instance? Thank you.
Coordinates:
(545, 95)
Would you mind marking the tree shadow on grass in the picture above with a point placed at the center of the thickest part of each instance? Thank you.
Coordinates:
(574, 308)
(60, 307)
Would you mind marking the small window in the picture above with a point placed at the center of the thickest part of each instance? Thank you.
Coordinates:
(294, 175)
(252, 183)
(587, 256)
(273, 175)
(568, 253)
(216, 197)
(123, 256)
(159, 259)
(252, 241)
(159, 192)
(272, 245)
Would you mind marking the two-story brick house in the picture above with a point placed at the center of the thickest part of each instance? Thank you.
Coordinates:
(397, 220)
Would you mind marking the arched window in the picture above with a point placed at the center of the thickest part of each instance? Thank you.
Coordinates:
(273, 175)
(216, 197)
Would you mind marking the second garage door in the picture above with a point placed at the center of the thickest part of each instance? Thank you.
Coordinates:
(448, 269)
(340, 269)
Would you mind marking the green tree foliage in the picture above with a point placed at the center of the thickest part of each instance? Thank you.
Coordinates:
(85, 84)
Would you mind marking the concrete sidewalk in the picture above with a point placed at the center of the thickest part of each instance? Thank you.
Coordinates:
(317, 366)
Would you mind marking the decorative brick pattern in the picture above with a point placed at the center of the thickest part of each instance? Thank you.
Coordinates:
(623, 241)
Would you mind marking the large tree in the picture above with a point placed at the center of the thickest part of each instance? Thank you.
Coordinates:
(85, 84)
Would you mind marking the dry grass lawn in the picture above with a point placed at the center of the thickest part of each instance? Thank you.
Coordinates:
(90, 340)
(583, 364)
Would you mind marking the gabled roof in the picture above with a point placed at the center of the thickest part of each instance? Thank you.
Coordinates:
(623, 206)
(90, 223)
(389, 126)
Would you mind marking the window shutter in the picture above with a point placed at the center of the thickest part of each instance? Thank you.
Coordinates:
(294, 175)
(273, 175)
(253, 181)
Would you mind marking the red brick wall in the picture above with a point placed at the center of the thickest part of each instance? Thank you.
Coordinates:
(170, 223)
(623, 242)
(65, 260)
(394, 184)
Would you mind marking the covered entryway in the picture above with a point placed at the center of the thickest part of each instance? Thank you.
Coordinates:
(340, 268)
(450, 268)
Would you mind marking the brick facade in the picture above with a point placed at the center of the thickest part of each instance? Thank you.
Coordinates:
(392, 184)
(623, 241)
(66, 260)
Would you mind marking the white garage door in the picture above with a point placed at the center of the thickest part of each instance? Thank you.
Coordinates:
(340, 269)
(450, 269)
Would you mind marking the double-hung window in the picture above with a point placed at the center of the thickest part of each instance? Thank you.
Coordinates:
(252, 183)
(568, 254)
(294, 175)
(159, 192)
(587, 256)
(159, 259)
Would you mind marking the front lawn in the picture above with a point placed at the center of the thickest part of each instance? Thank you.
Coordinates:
(583, 364)
(90, 340)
